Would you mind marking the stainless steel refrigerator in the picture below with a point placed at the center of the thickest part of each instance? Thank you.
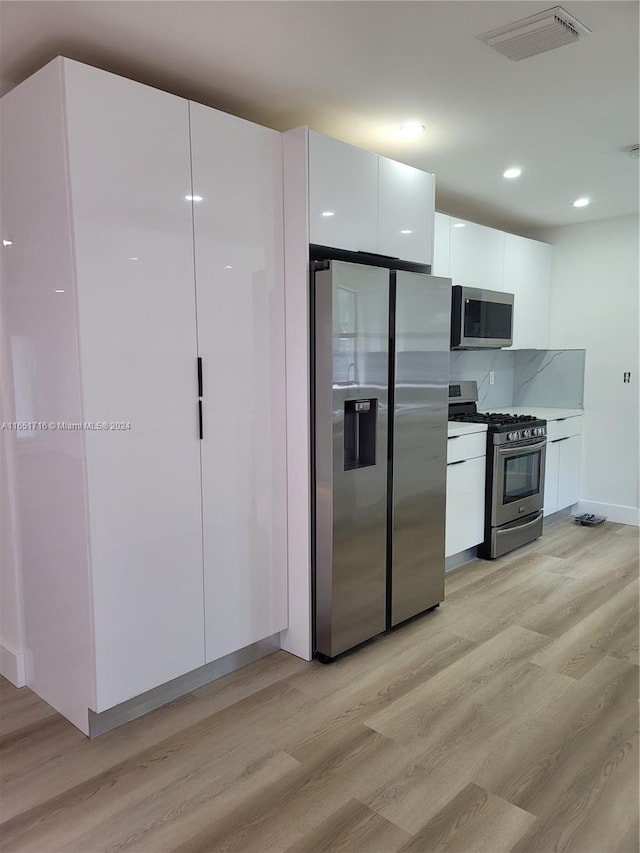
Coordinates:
(380, 366)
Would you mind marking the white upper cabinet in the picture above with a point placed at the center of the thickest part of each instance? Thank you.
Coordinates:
(237, 172)
(477, 255)
(366, 203)
(130, 171)
(527, 274)
(406, 198)
(343, 195)
(441, 246)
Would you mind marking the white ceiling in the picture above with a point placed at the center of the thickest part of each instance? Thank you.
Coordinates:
(358, 70)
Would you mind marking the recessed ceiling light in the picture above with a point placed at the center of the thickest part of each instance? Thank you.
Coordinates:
(458, 224)
(58, 291)
(7, 242)
(134, 259)
(328, 213)
(406, 231)
(193, 197)
(411, 128)
(581, 202)
(228, 267)
(514, 172)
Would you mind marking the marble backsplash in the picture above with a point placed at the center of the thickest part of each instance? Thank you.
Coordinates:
(552, 378)
(477, 365)
(549, 378)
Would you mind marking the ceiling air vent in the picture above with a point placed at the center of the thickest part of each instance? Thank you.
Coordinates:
(544, 31)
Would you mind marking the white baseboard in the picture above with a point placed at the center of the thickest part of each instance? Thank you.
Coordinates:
(612, 512)
(12, 665)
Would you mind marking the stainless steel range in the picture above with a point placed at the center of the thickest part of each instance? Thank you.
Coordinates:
(516, 453)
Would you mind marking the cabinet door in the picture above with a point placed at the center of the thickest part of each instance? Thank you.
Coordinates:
(477, 255)
(465, 505)
(240, 298)
(130, 171)
(551, 477)
(343, 195)
(568, 471)
(441, 245)
(406, 198)
(527, 274)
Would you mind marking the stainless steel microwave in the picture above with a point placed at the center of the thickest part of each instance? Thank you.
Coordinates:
(481, 318)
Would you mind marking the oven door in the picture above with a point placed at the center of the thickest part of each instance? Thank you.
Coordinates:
(518, 481)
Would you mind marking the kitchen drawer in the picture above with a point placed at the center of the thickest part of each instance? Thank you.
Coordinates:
(564, 428)
(461, 447)
(465, 504)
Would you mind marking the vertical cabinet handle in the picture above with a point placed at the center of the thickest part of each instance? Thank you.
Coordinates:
(200, 429)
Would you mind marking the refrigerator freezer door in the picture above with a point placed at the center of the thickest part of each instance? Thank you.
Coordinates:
(351, 351)
(422, 321)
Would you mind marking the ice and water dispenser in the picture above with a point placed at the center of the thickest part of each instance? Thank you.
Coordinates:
(360, 421)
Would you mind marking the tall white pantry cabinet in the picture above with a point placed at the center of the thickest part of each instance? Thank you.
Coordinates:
(145, 232)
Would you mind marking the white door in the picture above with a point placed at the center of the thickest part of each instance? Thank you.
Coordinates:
(406, 199)
(343, 195)
(237, 172)
(465, 504)
(527, 274)
(130, 167)
(569, 471)
(551, 467)
(441, 245)
(477, 255)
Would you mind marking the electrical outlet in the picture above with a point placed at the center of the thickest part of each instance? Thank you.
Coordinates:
(492, 378)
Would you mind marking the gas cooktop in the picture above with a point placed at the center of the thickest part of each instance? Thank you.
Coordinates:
(499, 421)
(492, 418)
(505, 427)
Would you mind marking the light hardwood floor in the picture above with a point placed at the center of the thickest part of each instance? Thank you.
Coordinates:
(507, 720)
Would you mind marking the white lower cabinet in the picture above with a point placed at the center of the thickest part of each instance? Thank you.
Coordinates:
(562, 469)
(569, 471)
(465, 494)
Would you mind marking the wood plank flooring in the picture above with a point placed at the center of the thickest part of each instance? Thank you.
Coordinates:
(504, 722)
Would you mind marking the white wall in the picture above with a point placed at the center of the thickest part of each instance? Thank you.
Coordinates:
(594, 305)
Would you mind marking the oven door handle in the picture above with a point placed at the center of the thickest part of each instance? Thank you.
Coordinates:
(513, 451)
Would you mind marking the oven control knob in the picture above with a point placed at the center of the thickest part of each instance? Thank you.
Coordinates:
(526, 433)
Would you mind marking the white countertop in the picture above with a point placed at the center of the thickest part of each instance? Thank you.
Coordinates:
(456, 429)
(546, 413)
